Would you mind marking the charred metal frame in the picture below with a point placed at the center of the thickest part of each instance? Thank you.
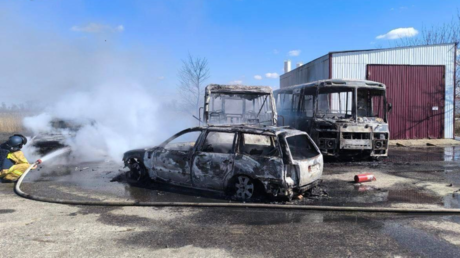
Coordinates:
(279, 174)
(336, 136)
(230, 90)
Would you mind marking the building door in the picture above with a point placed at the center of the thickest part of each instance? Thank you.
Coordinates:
(417, 94)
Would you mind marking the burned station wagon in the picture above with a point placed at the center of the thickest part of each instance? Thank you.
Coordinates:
(243, 161)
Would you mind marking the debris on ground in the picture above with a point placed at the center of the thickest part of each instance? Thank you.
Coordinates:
(316, 192)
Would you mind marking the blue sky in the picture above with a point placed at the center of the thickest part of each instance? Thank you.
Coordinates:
(240, 38)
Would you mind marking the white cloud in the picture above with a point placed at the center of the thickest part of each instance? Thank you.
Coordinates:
(97, 28)
(294, 52)
(272, 75)
(257, 77)
(399, 33)
(236, 82)
(275, 51)
(161, 78)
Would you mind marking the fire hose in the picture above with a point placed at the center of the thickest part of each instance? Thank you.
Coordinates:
(220, 205)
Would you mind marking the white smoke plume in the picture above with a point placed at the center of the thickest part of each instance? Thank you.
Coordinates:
(113, 91)
(116, 117)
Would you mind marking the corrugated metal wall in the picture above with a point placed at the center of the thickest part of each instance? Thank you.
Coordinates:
(417, 95)
(317, 69)
(352, 65)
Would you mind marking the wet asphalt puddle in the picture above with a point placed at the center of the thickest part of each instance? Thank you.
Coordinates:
(409, 177)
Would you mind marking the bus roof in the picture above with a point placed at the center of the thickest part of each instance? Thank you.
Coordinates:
(337, 82)
(220, 88)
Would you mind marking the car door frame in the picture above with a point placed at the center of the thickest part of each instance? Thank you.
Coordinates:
(230, 165)
(162, 149)
(253, 165)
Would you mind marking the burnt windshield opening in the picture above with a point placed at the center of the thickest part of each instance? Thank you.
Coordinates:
(240, 108)
(371, 103)
(335, 102)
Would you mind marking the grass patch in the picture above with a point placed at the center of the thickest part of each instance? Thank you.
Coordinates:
(11, 122)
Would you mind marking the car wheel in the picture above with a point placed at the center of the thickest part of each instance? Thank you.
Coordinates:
(136, 171)
(244, 188)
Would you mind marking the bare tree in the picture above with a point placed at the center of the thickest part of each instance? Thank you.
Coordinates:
(192, 75)
(446, 33)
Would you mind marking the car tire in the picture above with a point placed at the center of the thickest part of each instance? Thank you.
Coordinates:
(244, 188)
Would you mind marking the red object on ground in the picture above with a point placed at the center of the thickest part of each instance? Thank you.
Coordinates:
(366, 177)
(39, 161)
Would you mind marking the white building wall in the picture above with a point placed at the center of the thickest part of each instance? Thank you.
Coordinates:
(317, 69)
(352, 65)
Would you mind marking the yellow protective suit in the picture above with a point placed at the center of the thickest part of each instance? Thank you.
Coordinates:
(20, 166)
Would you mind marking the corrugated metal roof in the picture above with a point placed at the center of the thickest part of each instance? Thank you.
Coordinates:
(317, 69)
(373, 49)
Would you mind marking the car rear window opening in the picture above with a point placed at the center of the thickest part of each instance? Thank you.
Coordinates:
(301, 147)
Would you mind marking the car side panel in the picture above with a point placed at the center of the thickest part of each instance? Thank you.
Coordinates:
(173, 166)
(210, 169)
(259, 167)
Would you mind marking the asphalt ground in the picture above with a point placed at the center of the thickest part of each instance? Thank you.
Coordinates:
(410, 177)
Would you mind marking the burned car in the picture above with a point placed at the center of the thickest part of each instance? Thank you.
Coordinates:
(344, 117)
(59, 131)
(243, 161)
(239, 104)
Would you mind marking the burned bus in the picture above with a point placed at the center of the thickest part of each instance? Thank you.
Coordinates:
(237, 104)
(344, 117)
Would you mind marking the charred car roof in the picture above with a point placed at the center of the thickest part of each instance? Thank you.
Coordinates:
(220, 88)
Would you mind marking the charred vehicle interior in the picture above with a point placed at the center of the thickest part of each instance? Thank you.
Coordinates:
(243, 161)
(236, 104)
(344, 117)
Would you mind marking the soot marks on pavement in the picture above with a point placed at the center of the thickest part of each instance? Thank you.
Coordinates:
(5, 211)
(434, 175)
(107, 216)
(402, 194)
(267, 232)
(346, 193)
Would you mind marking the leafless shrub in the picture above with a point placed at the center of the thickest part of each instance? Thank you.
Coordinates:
(192, 75)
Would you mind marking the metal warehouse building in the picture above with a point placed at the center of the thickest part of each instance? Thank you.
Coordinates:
(419, 80)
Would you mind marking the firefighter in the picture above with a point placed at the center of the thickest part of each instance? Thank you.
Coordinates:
(13, 163)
